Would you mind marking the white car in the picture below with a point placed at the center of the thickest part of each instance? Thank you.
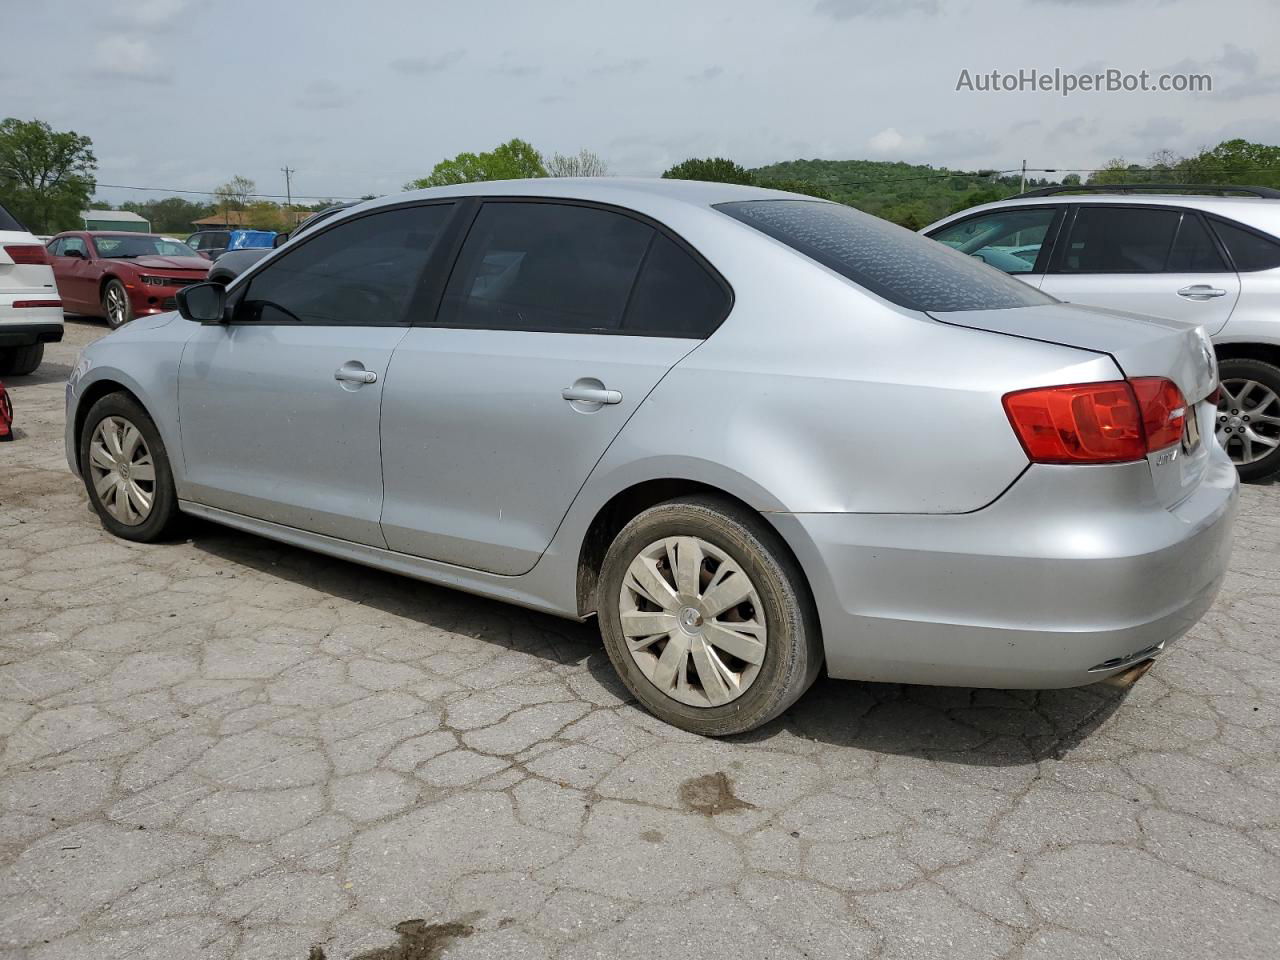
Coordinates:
(1210, 261)
(30, 308)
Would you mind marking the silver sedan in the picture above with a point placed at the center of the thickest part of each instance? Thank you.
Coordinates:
(750, 432)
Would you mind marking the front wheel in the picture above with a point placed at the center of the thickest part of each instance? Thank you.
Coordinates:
(706, 616)
(1248, 417)
(126, 470)
(115, 304)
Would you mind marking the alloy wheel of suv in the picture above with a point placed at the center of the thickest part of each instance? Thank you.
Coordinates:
(1248, 418)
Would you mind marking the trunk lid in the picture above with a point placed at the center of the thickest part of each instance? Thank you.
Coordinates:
(1141, 346)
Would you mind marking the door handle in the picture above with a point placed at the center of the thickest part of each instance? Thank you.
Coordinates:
(350, 375)
(591, 395)
(1201, 291)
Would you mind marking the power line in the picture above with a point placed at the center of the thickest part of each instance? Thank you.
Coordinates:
(210, 193)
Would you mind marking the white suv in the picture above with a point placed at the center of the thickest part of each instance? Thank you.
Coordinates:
(1213, 261)
(30, 308)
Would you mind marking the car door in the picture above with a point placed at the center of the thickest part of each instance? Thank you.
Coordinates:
(1015, 239)
(75, 275)
(1158, 260)
(557, 321)
(280, 406)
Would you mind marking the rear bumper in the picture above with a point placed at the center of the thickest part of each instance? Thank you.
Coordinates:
(1072, 575)
(23, 333)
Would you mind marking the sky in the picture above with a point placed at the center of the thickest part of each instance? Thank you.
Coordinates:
(360, 96)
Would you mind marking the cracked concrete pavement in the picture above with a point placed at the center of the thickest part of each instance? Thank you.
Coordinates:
(227, 748)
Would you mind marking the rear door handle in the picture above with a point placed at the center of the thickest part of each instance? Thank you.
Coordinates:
(351, 374)
(591, 395)
(1201, 291)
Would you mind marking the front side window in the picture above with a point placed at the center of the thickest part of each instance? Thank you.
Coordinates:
(1119, 240)
(72, 244)
(1009, 240)
(360, 273)
(1249, 251)
(894, 263)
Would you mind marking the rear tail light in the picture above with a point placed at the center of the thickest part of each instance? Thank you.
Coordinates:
(27, 253)
(37, 303)
(1111, 422)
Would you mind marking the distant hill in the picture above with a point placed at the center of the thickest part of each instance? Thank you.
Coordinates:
(906, 193)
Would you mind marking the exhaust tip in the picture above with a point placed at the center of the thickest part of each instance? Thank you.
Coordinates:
(1127, 678)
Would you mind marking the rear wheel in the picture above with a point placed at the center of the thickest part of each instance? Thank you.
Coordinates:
(115, 304)
(706, 617)
(1248, 418)
(126, 470)
(20, 361)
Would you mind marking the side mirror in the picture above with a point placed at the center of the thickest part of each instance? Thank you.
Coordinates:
(279, 240)
(78, 254)
(203, 302)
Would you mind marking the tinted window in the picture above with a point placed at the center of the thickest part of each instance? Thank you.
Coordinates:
(896, 264)
(1009, 240)
(674, 296)
(9, 222)
(1249, 250)
(1194, 250)
(1119, 240)
(545, 266)
(362, 272)
(72, 243)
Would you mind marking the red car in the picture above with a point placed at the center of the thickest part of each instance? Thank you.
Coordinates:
(120, 276)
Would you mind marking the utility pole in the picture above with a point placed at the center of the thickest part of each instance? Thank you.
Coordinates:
(1024, 177)
(288, 195)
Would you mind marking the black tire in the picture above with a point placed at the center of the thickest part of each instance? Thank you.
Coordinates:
(20, 361)
(793, 652)
(1268, 375)
(116, 318)
(163, 518)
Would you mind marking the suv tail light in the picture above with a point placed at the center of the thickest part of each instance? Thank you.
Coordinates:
(27, 253)
(1110, 422)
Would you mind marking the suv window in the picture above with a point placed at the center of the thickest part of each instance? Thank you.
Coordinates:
(1119, 240)
(9, 222)
(891, 262)
(1009, 240)
(675, 296)
(1194, 250)
(359, 273)
(545, 266)
(1249, 251)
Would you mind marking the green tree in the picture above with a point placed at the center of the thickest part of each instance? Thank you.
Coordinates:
(514, 160)
(715, 169)
(235, 194)
(1236, 161)
(169, 214)
(792, 185)
(46, 176)
(584, 163)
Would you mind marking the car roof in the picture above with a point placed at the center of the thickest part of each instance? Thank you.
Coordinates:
(1260, 212)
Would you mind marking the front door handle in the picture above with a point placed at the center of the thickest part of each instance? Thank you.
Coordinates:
(1201, 291)
(354, 373)
(591, 394)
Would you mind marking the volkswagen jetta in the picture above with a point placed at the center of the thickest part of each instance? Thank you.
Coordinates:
(750, 432)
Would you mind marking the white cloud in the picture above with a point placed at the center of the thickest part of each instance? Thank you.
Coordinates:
(126, 56)
(874, 9)
(890, 141)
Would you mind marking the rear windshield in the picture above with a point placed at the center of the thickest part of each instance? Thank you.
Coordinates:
(890, 261)
(8, 221)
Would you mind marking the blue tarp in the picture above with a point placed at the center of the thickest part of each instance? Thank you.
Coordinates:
(246, 239)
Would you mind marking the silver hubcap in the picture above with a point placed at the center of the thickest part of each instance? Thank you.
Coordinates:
(123, 474)
(1248, 420)
(115, 305)
(693, 621)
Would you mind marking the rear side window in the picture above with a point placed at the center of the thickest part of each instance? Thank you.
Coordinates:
(9, 222)
(891, 262)
(545, 266)
(1119, 240)
(675, 296)
(1249, 251)
(1194, 250)
(360, 273)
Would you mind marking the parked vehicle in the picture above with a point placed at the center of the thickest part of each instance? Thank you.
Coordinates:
(1211, 261)
(231, 264)
(211, 244)
(30, 311)
(745, 429)
(120, 276)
